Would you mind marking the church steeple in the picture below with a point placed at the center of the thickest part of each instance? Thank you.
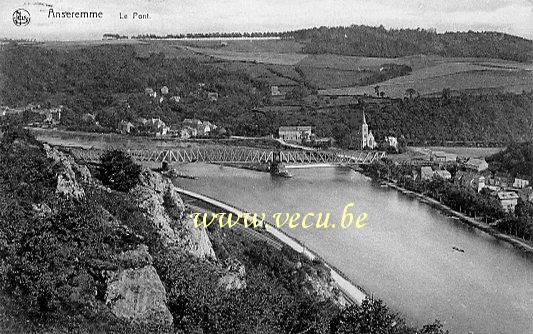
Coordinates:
(364, 133)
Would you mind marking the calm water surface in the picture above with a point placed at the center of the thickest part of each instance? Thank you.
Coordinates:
(403, 255)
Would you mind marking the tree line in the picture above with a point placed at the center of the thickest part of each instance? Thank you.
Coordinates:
(361, 40)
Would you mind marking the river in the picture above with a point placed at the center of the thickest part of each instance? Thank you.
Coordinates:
(404, 253)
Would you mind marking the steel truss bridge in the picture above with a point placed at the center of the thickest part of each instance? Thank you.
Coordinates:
(242, 155)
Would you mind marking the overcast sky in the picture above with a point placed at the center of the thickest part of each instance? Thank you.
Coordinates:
(182, 16)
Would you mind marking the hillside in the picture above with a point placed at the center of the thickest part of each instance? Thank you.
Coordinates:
(79, 256)
(486, 120)
(337, 74)
(108, 81)
(517, 159)
(84, 257)
(380, 42)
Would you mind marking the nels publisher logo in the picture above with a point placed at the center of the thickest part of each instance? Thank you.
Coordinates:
(21, 17)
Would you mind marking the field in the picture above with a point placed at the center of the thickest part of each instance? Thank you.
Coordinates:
(253, 56)
(264, 45)
(472, 152)
(475, 81)
(343, 75)
(281, 63)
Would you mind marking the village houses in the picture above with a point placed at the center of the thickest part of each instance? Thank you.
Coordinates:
(197, 127)
(502, 180)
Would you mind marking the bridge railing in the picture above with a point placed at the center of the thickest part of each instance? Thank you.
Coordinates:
(222, 154)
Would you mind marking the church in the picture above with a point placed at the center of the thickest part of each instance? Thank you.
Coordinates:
(367, 138)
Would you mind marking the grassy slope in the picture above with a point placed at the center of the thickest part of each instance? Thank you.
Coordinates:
(430, 74)
(274, 62)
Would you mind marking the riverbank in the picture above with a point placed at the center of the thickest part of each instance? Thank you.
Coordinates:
(351, 292)
(464, 218)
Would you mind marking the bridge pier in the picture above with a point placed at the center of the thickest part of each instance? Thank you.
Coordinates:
(277, 167)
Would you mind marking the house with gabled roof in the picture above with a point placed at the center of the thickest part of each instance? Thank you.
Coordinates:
(476, 165)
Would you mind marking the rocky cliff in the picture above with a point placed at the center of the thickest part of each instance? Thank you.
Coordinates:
(164, 209)
(132, 289)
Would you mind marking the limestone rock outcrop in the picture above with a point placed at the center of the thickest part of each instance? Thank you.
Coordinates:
(234, 276)
(67, 183)
(323, 288)
(138, 295)
(135, 291)
(159, 200)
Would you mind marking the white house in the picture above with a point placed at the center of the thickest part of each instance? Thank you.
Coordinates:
(520, 182)
(212, 96)
(150, 92)
(392, 142)
(477, 165)
(126, 126)
(295, 133)
(274, 91)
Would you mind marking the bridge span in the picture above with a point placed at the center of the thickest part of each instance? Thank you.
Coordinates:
(242, 155)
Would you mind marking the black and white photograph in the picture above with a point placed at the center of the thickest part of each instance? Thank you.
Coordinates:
(266, 166)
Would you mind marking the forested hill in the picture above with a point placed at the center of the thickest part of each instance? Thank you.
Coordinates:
(380, 42)
(517, 159)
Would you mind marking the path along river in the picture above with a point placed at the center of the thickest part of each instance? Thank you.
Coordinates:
(404, 253)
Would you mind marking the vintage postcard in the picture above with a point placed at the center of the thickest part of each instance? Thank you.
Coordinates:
(266, 166)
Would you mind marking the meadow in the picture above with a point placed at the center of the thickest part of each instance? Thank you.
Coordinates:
(463, 151)
(346, 75)
(453, 76)
(282, 63)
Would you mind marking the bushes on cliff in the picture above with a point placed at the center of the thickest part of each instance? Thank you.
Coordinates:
(24, 169)
(52, 249)
(374, 317)
(119, 171)
(50, 259)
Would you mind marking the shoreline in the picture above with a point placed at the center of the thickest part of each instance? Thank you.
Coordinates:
(463, 218)
(351, 292)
